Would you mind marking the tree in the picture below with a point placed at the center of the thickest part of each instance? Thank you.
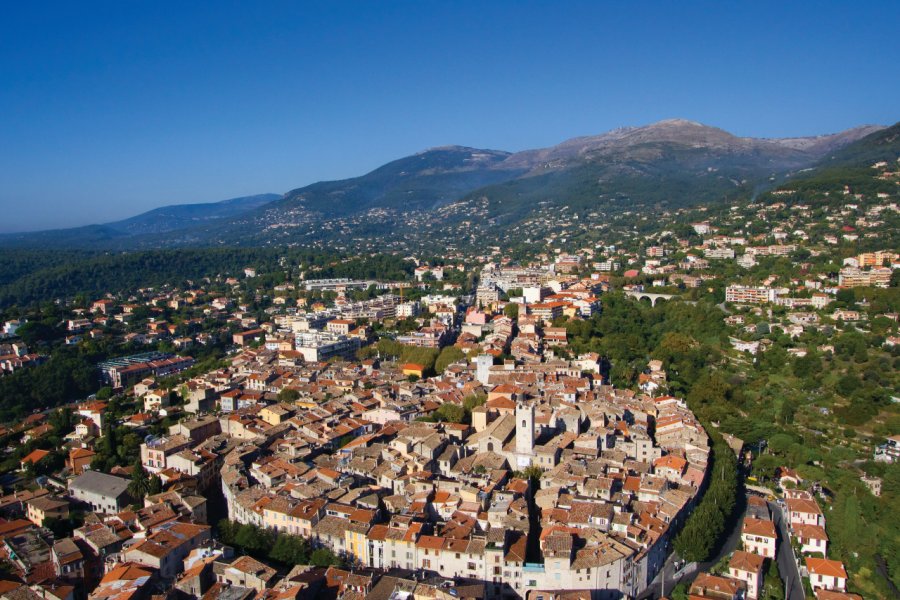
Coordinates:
(323, 557)
(61, 421)
(532, 472)
(140, 483)
(806, 366)
(773, 586)
(710, 389)
(448, 356)
(290, 550)
(288, 395)
(696, 542)
(511, 310)
(453, 413)
(470, 403)
(254, 540)
(680, 592)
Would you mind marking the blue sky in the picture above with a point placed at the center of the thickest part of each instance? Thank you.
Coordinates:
(108, 109)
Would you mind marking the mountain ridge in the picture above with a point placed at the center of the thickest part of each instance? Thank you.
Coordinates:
(671, 162)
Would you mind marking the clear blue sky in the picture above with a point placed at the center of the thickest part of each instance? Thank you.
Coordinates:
(108, 109)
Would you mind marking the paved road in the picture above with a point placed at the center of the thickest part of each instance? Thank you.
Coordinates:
(673, 578)
(785, 557)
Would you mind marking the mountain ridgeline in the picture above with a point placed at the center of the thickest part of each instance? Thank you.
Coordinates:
(670, 164)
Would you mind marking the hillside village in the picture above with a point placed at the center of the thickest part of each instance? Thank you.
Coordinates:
(454, 433)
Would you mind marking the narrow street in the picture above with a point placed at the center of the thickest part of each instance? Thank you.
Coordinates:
(785, 557)
(673, 577)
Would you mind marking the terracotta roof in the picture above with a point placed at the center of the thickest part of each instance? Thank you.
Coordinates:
(35, 456)
(760, 527)
(826, 567)
(810, 532)
(745, 561)
(803, 505)
(126, 572)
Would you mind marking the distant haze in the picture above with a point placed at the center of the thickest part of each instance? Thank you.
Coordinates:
(109, 112)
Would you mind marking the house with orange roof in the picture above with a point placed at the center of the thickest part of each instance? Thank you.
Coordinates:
(670, 466)
(787, 477)
(129, 581)
(507, 391)
(827, 574)
(33, 458)
(502, 405)
(413, 369)
(93, 410)
(79, 459)
(748, 568)
(166, 547)
(713, 586)
(804, 511)
(759, 537)
(823, 594)
(812, 538)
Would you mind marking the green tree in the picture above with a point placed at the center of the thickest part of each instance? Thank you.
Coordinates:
(773, 586)
(511, 310)
(288, 395)
(448, 356)
(290, 550)
(61, 420)
(453, 413)
(470, 403)
(155, 486)
(323, 557)
(680, 592)
(806, 366)
(140, 483)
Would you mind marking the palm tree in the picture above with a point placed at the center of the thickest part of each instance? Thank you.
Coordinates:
(140, 483)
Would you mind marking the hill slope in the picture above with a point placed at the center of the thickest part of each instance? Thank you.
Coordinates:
(421, 181)
(849, 167)
(143, 226)
(180, 216)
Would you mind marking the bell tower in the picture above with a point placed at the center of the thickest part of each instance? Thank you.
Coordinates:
(524, 433)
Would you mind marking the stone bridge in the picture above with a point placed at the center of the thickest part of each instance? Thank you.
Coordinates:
(651, 297)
